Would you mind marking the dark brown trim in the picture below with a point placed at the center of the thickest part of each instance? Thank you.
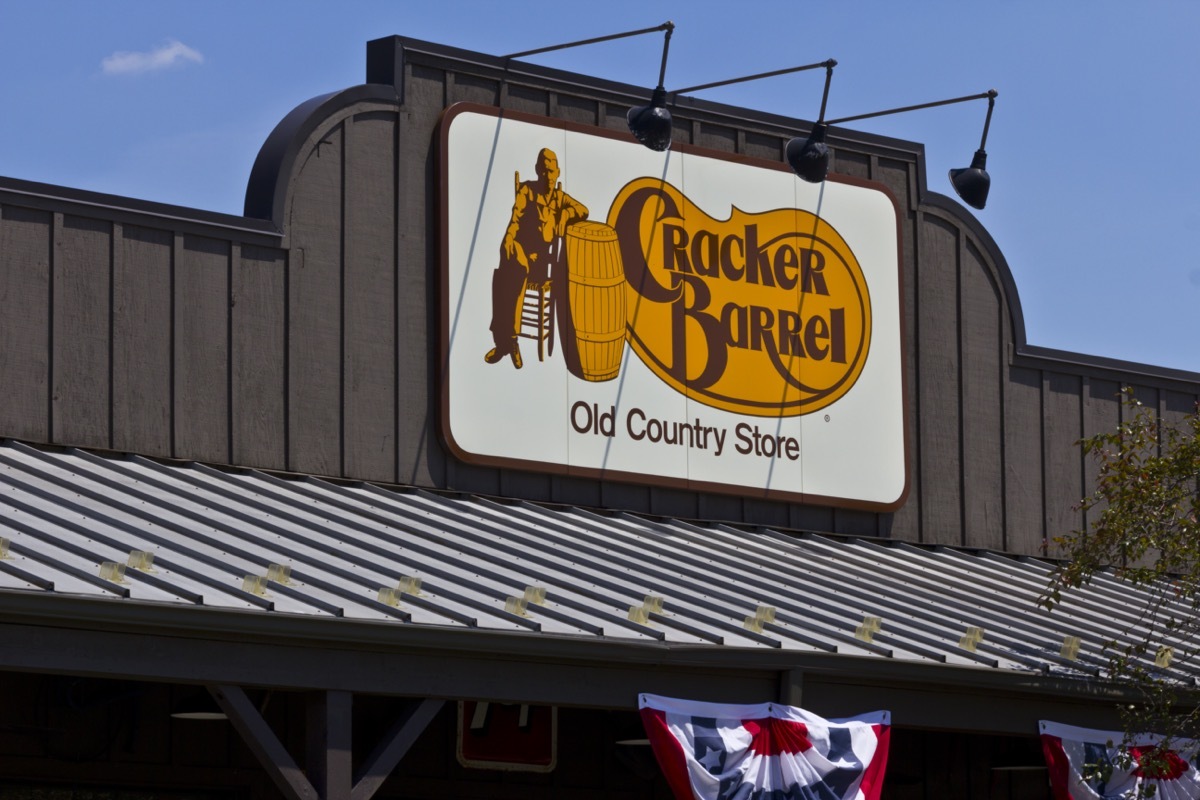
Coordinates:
(142, 213)
(295, 652)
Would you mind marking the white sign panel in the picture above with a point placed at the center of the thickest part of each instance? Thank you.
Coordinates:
(686, 318)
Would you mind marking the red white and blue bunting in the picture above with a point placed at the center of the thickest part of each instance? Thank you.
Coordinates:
(765, 751)
(1069, 752)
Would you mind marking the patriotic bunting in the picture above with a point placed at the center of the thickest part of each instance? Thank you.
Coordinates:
(1069, 752)
(766, 751)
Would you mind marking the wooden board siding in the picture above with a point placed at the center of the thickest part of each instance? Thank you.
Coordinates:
(80, 330)
(316, 350)
(1062, 462)
(369, 297)
(258, 311)
(25, 245)
(981, 348)
(421, 460)
(938, 370)
(1024, 474)
(201, 344)
(315, 312)
(143, 274)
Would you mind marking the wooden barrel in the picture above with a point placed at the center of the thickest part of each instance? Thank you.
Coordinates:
(596, 294)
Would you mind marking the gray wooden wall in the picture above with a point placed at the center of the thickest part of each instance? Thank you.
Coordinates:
(308, 342)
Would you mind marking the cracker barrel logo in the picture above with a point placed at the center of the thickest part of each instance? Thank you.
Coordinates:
(764, 314)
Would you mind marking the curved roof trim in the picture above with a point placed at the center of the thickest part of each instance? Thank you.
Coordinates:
(266, 191)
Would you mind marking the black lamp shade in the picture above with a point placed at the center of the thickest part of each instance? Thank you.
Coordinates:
(810, 158)
(972, 183)
(651, 124)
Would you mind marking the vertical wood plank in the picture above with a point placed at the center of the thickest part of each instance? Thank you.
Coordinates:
(674, 503)
(717, 137)
(983, 439)
(1063, 467)
(812, 518)
(768, 513)
(719, 507)
(534, 486)
(315, 312)
(583, 110)
(845, 162)
(1101, 414)
(142, 341)
(624, 496)
(760, 145)
(905, 522)
(259, 353)
(369, 312)
(1177, 405)
(422, 460)
(201, 419)
(1023, 465)
(575, 491)
(81, 319)
(25, 287)
(852, 522)
(938, 422)
(528, 99)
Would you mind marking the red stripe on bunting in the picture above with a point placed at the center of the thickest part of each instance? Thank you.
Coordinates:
(872, 780)
(669, 753)
(1059, 766)
(771, 737)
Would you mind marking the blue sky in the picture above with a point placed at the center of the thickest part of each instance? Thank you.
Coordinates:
(1093, 155)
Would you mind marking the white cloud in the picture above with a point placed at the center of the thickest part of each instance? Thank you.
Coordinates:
(169, 55)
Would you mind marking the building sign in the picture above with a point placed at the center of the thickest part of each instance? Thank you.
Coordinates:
(686, 318)
(516, 737)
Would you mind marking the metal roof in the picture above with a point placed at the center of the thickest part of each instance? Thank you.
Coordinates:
(77, 522)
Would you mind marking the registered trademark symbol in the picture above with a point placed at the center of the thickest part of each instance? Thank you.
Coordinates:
(827, 418)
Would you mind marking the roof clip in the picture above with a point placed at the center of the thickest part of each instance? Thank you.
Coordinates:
(112, 571)
(971, 638)
(1163, 657)
(535, 595)
(763, 615)
(867, 630)
(4, 543)
(651, 604)
(279, 573)
(515, 605)
(142, 560)
(1070, 648)
(389, 596)
(409, 584)
(255, 584)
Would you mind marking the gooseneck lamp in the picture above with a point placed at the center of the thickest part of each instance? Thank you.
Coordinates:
(650, 124)
(810, 159)
(828, 64)
(971, 183)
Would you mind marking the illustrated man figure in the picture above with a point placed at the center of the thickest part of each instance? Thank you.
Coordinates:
(540, 215)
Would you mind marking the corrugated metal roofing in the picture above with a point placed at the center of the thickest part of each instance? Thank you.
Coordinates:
(250, 540)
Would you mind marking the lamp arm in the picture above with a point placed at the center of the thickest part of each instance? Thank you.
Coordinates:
(990, 94)
(666, 26)
(669, 27)
(987, 123)
(828, 65)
